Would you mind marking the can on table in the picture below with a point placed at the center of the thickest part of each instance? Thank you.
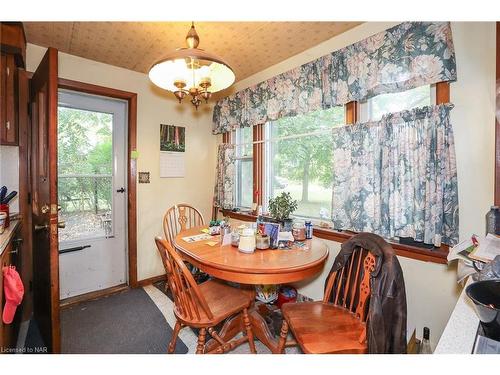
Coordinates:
(309, 230)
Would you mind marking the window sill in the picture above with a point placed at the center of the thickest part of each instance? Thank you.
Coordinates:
(435, 256)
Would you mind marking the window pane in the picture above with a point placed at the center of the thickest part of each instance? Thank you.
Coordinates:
(396, 102)
(85, 207)
(244, 167)
(302, 165)
(246, 182)
(85, 166)
(244, 139)
(311, 122)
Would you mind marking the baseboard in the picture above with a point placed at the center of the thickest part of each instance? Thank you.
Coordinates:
(67, 302)
(151, 280)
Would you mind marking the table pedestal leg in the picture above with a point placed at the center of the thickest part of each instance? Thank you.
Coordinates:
(234, 326)
(261, 330)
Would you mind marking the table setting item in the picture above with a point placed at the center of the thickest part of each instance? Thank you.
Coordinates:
(262, 241)
(247, 241)
(299, 232)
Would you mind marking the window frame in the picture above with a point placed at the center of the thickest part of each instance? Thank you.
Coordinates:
(497, 122)
(365, 108)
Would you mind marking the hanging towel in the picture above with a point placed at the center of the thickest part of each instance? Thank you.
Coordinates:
(14, 290)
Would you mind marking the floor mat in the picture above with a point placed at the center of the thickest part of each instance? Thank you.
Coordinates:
(128, 322)
(34, 343)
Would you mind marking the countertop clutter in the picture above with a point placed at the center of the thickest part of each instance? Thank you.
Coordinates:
(7, 235)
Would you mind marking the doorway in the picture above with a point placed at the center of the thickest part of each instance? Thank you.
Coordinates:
(92, 185)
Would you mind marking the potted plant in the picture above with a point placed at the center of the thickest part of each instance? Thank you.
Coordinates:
(281, 207)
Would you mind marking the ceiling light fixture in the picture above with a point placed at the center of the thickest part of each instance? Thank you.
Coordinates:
(192, 71)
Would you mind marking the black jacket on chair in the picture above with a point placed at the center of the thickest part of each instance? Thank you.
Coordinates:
(386, 321)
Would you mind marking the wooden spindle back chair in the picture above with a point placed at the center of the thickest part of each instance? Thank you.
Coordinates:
(203, 305)
(337, 324)
(180, 217)
(190, 305)
(349, 287)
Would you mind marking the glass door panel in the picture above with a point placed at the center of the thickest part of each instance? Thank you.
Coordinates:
(85, 173)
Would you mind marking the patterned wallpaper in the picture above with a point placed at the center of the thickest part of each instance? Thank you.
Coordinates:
(248, 47)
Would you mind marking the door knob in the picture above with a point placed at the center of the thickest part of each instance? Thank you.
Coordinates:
(121, 190)
(17, 244)
(45, 208)
(61, 224)
(41, 227)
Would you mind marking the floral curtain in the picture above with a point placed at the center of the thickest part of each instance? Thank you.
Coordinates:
(224, 182)
(406, 56)
(397, 177)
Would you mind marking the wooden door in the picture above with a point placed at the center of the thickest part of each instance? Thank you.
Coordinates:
(43, 99)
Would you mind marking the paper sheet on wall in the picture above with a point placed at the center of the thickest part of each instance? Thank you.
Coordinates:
(172, 164)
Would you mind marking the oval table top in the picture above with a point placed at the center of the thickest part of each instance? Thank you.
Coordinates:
(261, 267)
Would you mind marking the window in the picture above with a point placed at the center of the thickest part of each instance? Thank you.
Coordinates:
(282, 144)
(373, 109)
(298, 160)
(85, 172)
(297, 152)
(244, 167)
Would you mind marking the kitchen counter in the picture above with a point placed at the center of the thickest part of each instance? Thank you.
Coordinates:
(460, 332)
(7, 235)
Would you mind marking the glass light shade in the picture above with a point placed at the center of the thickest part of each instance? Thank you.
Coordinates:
(176, 67)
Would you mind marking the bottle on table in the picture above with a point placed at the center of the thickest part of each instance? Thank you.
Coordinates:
(309, 230)
(493, 220)
(425, 345)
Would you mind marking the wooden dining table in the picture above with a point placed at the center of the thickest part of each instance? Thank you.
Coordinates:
(226, 262)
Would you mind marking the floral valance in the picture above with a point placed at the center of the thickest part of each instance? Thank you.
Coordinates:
(406, 56)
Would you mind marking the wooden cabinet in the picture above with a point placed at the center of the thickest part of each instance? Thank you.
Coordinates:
(8, 101)
(13, 50)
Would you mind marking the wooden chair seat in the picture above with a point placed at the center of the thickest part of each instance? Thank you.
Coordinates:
(223, 301)
(204, 305)
(325, 328)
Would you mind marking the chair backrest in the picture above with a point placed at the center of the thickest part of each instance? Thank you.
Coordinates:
(188, 300)
(180, 217)
(351, 284)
